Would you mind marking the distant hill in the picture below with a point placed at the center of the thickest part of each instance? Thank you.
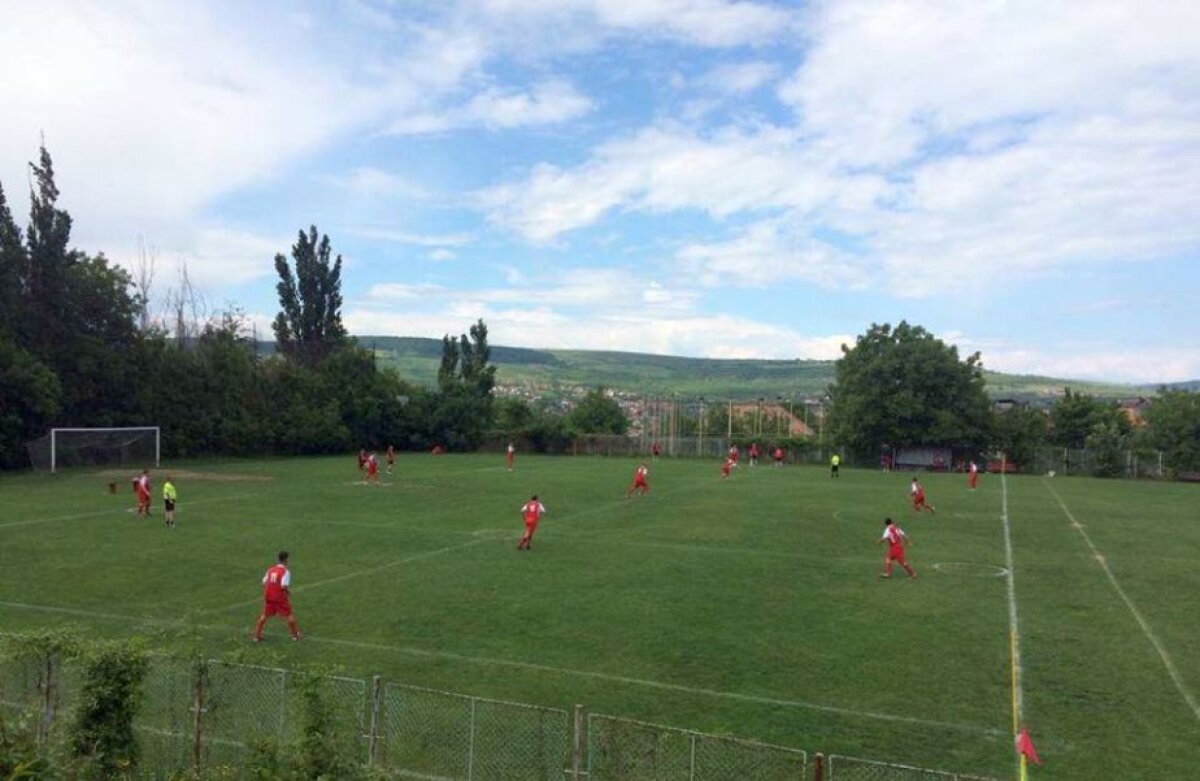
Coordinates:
(417, 360)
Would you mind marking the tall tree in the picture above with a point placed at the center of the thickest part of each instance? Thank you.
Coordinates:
(12, 265)
(309, 326)
(47, 262)
(904, 386)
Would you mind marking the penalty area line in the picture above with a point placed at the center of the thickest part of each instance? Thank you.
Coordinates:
(1172, 671)
(534, 667)
(115, 510)
(351, 575)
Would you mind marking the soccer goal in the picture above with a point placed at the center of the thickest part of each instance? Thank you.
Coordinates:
(67, 447)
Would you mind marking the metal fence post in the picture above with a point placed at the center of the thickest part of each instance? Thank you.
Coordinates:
(471, 744)
(283, 676)
(198, 715)
(577, 744)
(818, 767)
(47, 699)
(373, 737)
(692, 758)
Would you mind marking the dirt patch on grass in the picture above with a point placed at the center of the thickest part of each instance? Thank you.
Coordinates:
(187, 474)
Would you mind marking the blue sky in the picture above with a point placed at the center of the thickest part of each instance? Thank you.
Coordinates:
(692, 177)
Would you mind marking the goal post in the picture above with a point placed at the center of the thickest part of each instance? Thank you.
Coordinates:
(116, 446)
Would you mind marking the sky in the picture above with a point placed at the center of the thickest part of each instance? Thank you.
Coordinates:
(713, 178)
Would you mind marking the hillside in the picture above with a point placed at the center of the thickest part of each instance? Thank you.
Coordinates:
(417, 359)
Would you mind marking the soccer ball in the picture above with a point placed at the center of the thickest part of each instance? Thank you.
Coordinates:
(1050, 473)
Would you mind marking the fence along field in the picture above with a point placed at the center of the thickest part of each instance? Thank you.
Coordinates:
(214, 715)
(767, 654)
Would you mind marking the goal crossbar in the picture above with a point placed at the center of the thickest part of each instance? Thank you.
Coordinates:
(55, 439)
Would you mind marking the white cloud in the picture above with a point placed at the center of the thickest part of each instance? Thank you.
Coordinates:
(714, 23)
(956, 145)
(416, 239)
(769, 253)
(671, 168)
(441, 255)
(1103, 362)
(739, 78)
(368, 181)
(549, 102)
(217, 258)
(397, 291)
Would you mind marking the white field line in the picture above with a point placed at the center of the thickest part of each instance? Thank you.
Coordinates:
(112, 510)
(1014, 630)
(1176, 678)
(352, 575)
(494, 662)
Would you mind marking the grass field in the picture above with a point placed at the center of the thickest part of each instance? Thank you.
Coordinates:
(749, 607)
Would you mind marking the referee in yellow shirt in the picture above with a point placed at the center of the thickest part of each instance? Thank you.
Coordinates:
(169, 497)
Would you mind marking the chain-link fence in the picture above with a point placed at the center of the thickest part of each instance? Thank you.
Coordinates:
(623, 750)
(850, 769)
(445, 735)
(197, 714)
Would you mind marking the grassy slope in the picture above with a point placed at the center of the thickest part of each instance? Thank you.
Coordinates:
(418, 360)
(763, 586)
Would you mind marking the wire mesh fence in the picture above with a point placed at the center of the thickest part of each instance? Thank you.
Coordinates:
(851, 769)
(446, 735)
(625, 750)
(209, 715)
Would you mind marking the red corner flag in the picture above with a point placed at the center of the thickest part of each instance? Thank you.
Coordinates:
(1025, 746)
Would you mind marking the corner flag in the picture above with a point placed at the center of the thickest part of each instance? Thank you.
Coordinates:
(1025, 747)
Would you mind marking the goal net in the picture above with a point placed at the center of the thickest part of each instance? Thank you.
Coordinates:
(68, 447)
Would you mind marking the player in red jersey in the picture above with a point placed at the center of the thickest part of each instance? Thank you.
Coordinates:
(733, 455)
(639, 484)
(726, 467)
(372, 469)
(753, 454)
(917, 491)
(778, 456)
(896, 539)
(531, 511)
(391, 460)
(141, 492)
(655, 450)
(973, 475)
(510, 455)
(277, 584)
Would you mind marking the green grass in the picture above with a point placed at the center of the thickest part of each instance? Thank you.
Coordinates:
(749, 607)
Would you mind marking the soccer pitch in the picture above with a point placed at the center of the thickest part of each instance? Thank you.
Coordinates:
(749, 607)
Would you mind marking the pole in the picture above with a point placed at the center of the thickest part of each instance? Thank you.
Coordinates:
(198, 716)
(577, 745)
(373, 738)
(730, 433)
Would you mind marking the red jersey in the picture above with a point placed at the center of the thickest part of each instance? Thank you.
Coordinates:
(372, 464)
(639, 474)
(894, 535)
(733, 453)
(754, 451)
(532, 511)
(276, 583)
(778, 454)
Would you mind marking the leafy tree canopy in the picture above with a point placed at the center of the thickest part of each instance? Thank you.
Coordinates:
(904, 386)
(597, 414)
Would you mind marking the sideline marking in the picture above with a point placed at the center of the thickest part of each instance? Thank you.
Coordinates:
(98, 513)
(484, 660)
(1014, 629)
(1176, 678)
